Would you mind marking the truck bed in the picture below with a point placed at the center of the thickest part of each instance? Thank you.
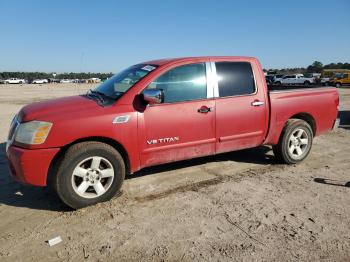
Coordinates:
(318, 104)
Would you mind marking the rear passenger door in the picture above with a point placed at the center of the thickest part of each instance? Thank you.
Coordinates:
(241, 114)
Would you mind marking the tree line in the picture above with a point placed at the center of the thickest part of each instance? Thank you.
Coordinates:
(42, 75)
(315, 67)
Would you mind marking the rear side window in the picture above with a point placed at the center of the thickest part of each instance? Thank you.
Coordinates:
(182, 83)
(235, 78)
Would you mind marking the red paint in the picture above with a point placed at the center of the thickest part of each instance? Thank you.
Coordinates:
(30, 166)
(232, 124)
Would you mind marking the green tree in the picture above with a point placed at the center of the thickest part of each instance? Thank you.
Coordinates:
(315, 67)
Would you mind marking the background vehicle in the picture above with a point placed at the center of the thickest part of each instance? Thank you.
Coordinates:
(66, 81)
(325, 81)
(93, 80)
(296, 79)
(14, 81)
(158, 112)
(277, 78)
(40, 81)
(341, 80)
(54, 80)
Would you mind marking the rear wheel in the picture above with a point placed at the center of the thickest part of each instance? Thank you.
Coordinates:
(89, 173)
(295, 142)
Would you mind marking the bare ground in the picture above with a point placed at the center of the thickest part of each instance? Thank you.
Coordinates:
(235, 206)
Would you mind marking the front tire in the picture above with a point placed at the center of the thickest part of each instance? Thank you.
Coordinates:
(338, 85)
(306, 83)
(89, 173)
(295, 142)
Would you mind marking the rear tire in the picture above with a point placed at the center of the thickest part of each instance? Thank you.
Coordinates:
(295, 142)
(89, 173)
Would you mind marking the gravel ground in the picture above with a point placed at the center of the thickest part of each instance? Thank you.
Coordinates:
(235, 206)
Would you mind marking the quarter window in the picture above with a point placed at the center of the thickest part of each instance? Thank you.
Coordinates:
(235, 78)
(182, 83)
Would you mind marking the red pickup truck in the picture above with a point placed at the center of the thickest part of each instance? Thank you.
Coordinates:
(158, 112)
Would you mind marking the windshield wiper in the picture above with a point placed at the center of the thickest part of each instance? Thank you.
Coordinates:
(97, 95)
(102, 94)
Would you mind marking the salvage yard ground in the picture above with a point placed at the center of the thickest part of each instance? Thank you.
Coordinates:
(235, 206)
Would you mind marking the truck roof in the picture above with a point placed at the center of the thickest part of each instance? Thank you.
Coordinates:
(188, 59)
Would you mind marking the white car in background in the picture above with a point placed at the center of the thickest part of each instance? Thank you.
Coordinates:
(325, 81)
(14, 81)
(40, 81)
(296, 79)
(65, 81)
(277, 78)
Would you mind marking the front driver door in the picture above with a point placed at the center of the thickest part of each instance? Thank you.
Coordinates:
(184, 125)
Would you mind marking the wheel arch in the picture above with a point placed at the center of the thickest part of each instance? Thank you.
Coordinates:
(308, 118)
(115, 144)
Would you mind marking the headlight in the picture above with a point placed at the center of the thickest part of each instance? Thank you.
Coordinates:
(33, 132)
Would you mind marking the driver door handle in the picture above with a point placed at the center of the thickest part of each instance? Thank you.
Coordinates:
(257, 103)
(204, 109)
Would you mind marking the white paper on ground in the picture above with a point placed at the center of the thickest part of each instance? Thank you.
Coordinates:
(54, 241)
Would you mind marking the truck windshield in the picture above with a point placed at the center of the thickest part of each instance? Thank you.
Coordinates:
(123, 81)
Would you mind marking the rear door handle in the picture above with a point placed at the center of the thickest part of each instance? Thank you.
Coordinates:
(204, 109)
(257, 103)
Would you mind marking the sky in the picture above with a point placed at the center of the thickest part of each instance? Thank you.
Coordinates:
(107, 36)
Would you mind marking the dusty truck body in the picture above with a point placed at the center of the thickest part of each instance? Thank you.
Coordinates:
(158, 112)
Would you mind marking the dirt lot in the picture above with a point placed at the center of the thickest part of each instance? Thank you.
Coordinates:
(236, 206)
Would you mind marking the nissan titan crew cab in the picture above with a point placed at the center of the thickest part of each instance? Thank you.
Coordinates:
(159, 112)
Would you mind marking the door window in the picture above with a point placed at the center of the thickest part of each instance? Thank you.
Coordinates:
(235, 78)
(183, 83)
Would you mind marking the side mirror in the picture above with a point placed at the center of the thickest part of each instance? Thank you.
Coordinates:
(153, 96)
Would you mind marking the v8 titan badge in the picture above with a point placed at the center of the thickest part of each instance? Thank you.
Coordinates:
(163, 140)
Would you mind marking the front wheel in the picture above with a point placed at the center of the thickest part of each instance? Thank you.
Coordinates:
(306, 83)
(295, 142)
(89, 173)
(338, 85)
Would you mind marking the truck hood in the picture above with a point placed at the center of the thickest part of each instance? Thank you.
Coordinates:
(54, 108)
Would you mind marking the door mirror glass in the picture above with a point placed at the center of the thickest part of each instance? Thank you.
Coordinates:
(153, 96)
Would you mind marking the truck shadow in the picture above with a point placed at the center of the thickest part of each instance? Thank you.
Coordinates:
(344, 116)
(253, 155)
(18, 195)
(332, 182)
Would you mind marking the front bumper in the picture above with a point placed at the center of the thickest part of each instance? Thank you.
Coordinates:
(30, 166)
